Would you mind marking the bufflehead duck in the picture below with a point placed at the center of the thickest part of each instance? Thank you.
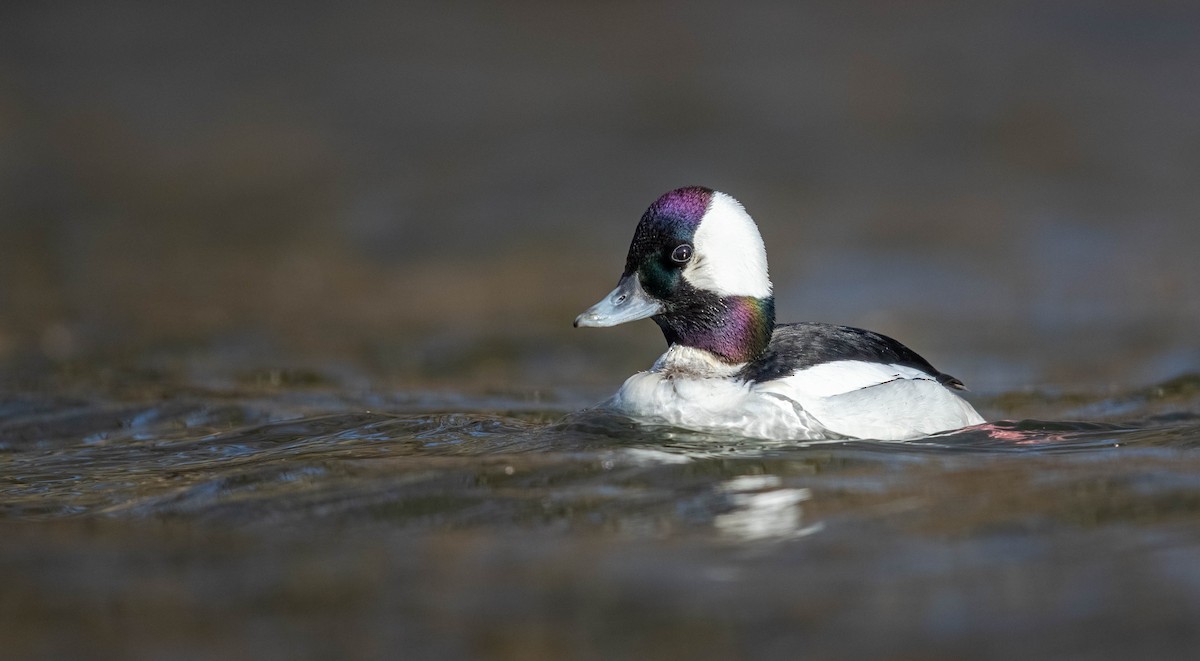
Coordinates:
(698, 267)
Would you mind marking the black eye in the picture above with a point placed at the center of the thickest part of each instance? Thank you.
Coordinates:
(682, 253)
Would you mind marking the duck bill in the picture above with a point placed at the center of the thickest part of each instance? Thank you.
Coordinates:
(628, 302)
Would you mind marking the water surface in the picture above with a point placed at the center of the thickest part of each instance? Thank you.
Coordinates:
(293, 520)
(287, 367)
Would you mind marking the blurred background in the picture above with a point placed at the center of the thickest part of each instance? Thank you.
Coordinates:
(425, 194)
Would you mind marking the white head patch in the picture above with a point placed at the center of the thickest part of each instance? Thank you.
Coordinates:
(730, 258)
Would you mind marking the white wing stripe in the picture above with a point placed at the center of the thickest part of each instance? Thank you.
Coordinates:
(843, 376)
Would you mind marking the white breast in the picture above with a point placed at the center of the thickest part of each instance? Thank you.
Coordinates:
(841, 399)
(714, 404)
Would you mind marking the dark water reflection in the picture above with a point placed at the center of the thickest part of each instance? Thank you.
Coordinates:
(308, 523)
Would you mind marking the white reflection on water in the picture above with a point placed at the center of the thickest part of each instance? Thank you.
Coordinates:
(763, 510)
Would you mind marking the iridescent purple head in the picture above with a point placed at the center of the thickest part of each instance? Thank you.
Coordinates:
(667, 226)
(697, 266)
(681, 210)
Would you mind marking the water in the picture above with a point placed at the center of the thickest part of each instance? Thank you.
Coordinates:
(278, 521)
(287, 367)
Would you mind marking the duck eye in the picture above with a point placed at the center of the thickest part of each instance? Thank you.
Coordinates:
(682, 253)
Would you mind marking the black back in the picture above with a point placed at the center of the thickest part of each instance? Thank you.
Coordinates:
(798, 346)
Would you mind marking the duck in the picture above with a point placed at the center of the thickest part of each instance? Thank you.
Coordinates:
(697, 267)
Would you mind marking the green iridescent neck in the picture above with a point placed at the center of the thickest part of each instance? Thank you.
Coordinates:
(736, 329)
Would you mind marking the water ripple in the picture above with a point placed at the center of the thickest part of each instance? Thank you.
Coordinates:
(257, 462)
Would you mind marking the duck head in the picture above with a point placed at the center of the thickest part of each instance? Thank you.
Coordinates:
(698, 267)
